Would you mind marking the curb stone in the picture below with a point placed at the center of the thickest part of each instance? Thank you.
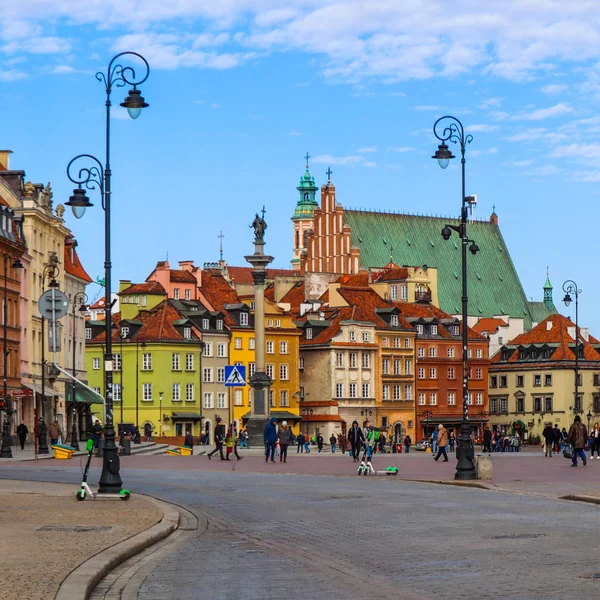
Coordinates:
(582, 498)
(80, 583)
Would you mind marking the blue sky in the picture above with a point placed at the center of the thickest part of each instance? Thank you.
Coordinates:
(240, 90)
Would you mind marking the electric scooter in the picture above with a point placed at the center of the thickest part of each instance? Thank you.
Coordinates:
(366, 466)
(84, 491)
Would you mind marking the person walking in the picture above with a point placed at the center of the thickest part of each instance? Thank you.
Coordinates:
(22, 432)
(55, 433)
(270, 437)
(578, 438)
(442, 442)
(300, 440)
(96, 433)
(548, 435)
(306, 444)
(219, 439)
(434, 441)
(487, 440)
(189, 440)
(451, 440)
(342, 442)
(595, 441)
(557, 438)
(285, 438)
(356, 438)
(320, 442)
(407, 444)
(333, 442)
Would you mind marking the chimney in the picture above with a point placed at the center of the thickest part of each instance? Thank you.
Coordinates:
(124, 284)
(571, 332)
(186, 265)
(584, 332)
(5, 158)
(548, 325)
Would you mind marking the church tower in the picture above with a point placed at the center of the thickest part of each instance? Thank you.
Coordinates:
(548, 293)
(304, 214)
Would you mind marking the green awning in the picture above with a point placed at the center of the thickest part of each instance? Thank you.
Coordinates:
(83, 395)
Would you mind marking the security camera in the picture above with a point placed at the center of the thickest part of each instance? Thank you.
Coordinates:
(446, 233)
(474, 248)
(472, 200)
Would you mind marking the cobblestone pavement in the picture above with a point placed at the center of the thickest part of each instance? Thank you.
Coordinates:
(272, 536)
(45, 533)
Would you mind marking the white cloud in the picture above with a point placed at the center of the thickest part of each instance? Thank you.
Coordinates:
(215, 105)
(293, 133)
(62, 70)
(553, 89)
(402, 149)
(544, 171)
(369, 164)
(328, 159)
(427, 107)
(366, 150)
(12, 75)
(482, 128)
(580, 151)
(527, 135)
(521, 163)
(544, 113)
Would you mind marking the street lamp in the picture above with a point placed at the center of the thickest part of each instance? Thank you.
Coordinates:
(571, 288)
(5, 451)
(160, 415)
(427, 415)
(81, 299)
(589, 418)
(452, 130)
(100, 176)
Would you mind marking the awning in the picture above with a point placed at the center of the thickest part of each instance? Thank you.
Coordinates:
(280, 415)
(49, 392)
(83, 395)
(186, 416)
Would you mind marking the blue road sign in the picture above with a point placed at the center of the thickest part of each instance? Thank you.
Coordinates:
(235, 375)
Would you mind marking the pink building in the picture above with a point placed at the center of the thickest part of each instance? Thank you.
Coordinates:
(180, 284)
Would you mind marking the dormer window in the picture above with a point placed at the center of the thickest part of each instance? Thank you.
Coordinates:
(420, 329)
(88, 333)
(456, 331)
(188, 294)
(353, 336)
(187, 333)
(394, 292)
(124, 332)
(205, 324)
(244, 318)
(220, 324)
(404, 292)
(309, 333)
(394, 320)
(365, 336)
(176, 293)
(434, 329)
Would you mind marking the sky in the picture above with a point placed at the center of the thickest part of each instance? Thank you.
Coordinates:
(240, 90)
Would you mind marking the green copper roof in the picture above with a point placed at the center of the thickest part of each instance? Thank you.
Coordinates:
(539, 311)
(547, 285)
(494, 286)
(306, 203)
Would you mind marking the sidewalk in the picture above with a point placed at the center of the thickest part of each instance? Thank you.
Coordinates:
(45, 533)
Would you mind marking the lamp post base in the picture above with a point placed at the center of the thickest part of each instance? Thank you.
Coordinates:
(5, 451)
(465, 453)
(43, 439)
(110, 479)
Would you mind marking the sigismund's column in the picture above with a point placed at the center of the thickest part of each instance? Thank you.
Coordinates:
(260, 381)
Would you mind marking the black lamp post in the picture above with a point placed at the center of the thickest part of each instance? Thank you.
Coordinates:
(589, 418)
(90, 177)
(5, 451)
(570, 287)
(427, 415)
(81, 299)
(452, 130)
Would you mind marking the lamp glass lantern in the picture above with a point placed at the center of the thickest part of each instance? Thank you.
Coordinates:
(79, 202)
(567, 299)
(134, 103)
(443, 155)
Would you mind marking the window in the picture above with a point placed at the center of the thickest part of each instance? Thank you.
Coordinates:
(433, 373)
(420, 329)
(309, 333)
(339, 360)
(88, 333)
(96, 389)
(252, 305)
(432, 352)
(352, 390)
(397, 392)
(434, 330)
(252, 344)
(503, 381)
(385, 366)
(366, 336)
(421, 352)
(394, 292)
(283, 398)
(277, 322)
(478, 373)
(124, 333)
(116, 362)
(208, 375)
(176, 392)
(451, 399)
(283, 347)
(478, 353)
(408, 367)
(456, 331)
(520, 381)
(450, 352)
(408, 392)
(243, 318)
(188, 294)
(270, 348)
(222, 350)
(146, 361)
(396, 342)
(208, 349)
(385, 342)
(395, 321)
(421, 399)
(283, 372)
(397, 366)
(271, 398)
(433, 398)
(187, 333)
(493, 405)
(470, 399)
(237, 343)
(403, 292)
(353, 360)
(386, 392)
(537, 405)
(205, 324)
(270, 371)
(301, 365)
(494, 381)
(421, 373)
(479, 399)
(339, 390)
(469, 352)
(189, 362)
(95, 364)
(366, 390)
(117, 392)
(407, 343)
(451, 373)
(366, 361)
(270, 323)
(176, 362)
(251, 369)
(219, 324)
(353, 336)
(147, 392)
(189, 392)
(504, 405)
(548, 404)
(520, 404)
(208, 399)
(221, 400)
(176, 293)
(578, 402)
(548, 380)
(537, 380)
(238, 397)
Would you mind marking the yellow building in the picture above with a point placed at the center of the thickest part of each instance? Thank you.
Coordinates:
(532, 379)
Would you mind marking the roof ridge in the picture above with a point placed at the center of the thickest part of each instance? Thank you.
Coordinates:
(411, 214)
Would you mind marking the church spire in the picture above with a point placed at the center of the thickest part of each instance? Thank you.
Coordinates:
(307, 189)
(548, 291)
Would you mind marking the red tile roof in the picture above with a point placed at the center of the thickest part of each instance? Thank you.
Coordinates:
(218, 292)
(152, 287)
(295, 296)
(182, 276)
(74, 266)
(270, 293)
(243, 275)
(399, 273)
(359, 280)
(490, 325)
(98, 304)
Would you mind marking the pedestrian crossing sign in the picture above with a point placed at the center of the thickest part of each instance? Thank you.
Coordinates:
(235, 375)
